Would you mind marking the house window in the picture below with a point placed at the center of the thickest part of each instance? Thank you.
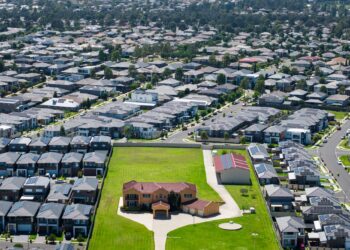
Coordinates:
(28, 190)
(188, 196)
(146, 196)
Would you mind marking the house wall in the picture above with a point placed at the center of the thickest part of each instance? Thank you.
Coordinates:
(235, 176)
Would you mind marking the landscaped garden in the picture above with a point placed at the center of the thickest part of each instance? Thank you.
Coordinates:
(112, 231)
(345, 159)
(257, 228)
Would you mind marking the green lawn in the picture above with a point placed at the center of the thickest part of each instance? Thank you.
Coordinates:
(142, 164)
(207, 236)
(344, 144)
(345, 160)
(339, 115)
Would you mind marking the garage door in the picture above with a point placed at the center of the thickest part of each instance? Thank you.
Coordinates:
(200, 212)
(185, 209)
(25, 228)
(192, 211)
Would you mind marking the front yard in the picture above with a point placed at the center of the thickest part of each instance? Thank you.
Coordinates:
(210, 236)
(112, 231)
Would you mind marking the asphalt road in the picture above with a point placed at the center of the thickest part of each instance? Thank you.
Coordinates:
(329, 154)
(179, 136)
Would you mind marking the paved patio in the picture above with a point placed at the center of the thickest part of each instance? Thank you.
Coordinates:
(162, 227)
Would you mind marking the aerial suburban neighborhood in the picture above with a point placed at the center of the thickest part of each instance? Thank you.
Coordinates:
(174, 124)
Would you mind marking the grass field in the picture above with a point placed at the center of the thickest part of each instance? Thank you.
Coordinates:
(344, 144)
(142, 164)
(201, 236)
(339, 115)
(345, 160)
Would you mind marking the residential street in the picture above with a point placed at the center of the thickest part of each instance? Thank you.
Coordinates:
(329, 154)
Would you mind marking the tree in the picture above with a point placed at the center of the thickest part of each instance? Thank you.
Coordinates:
(301, 84)
(342, 89)
(149, 86)
(127, 131)
(2, 66)
(226, 136)
(102, 56)
(174, 200)
(55, 94)
(51, 238)
(226, 60)
(242, 140)
(108, 73)
(294, 71)
(285, 69)
(323, 89)
(80, 239)
(204, 135)
(62, 131)
(132, 71)
(260, 85)
(166, 73)
(322, 80)
(179, 74)
(221, 79)
(244, 84)
(212, 60)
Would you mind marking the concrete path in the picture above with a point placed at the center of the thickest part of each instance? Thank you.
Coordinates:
(161, 228)
(230, 208)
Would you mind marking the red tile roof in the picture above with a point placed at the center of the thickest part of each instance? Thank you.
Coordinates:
(150, 187)
(198, 204)
(160, 203)
(227, 161)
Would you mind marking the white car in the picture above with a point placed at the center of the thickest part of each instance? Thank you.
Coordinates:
(339, 162)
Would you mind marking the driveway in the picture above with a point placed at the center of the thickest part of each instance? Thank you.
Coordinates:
(161, 228)
(20, 238)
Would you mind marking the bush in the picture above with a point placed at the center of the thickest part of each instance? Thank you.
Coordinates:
(18, 245)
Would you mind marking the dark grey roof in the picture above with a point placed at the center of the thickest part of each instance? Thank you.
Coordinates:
(96, 156)
(59, 192)
(86, 183)
(79, 139)
(101, 138)
(21, 140)
(37, 181)
(60, 141)
(50, 211)
(5, 207)
(28, 158)
(24, 209)
(41, 141)
(13, 183)
(278, 191)
(4, 142)
(50, 157)
(77, 212)
(265, 170)
(72, 157)
(290, 224)
(9, 157)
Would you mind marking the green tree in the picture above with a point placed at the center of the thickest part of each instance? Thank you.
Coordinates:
(212, 60)
(149, 86)
(204, 135)
(102, 56)
(132, 71)
(301, 84)
(221, 79)
(244, 84)
(226, 60)
(108, 73)
(174, 200)
(260, 85)
(179, 74)
(127, 131)
(51, 238)
(62, 131)
(226, 136)
(2, 66)
(323, 89)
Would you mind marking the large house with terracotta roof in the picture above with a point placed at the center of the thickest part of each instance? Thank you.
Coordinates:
(155, 196)
(232, 169)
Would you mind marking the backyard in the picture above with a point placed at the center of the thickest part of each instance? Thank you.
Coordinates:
(142, 164)
(257, 228)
